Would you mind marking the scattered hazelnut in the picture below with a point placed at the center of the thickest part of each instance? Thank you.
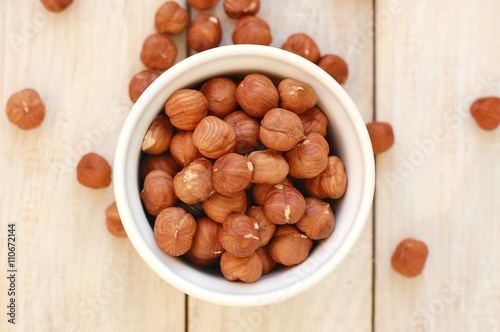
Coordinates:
(186, 108)
(303, 45)
(232, 173)
(246, 269)
(256, 95)
(113, 221)
(203, 4)
(220, 93)
(213, 137)
(486, 112)
(331, 183)
(409, 257)
(140, 82)
(296, 96)
(335, 66)
(193, 184)
(284, 205)
(252, 30)
(269, 166)
(314, 120)
(239, 8)
(93, 171)
(182, 148)
(381, 136)
(240, 235)
(206, 248)
(247, 131)
(163, 162)
(260, 190)
(318, 221)
(158, 52)
(204, 33)
(218, 207)
(289, 246)
(158, 192)
(281, 129)
(268, 263)
(171, 18)
(174, 231)
(308, 158)
(56, 6)
(266, 227)
(158, 137)
(26, 109)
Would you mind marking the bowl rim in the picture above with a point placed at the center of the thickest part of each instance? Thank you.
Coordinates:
(120, 187)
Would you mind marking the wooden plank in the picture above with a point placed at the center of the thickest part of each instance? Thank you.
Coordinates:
(439, 183)
(344, 299)
(73, 275)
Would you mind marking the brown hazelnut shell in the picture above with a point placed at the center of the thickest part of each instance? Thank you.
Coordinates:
(158, 192)
(193, 184)
(289, 246)
(247, 131)
(232, 174)
(284, 205)
(174, 230)
(247, 269)
(281, 129)
(206, 248)
(213, 137)
(331, 183)
(218, 207)
(240, 235)
(318, 221)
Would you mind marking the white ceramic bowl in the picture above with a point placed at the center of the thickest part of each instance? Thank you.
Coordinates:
(347, 132)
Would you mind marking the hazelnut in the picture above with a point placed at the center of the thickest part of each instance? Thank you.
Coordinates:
(186, 108)
(256, 95)
(182, 148)
(247, 131)
(260, 190)
(335, 66)
(318, 221)
(163, 162)
(269, 166)
(220, 93)
(381, 136)
(331, 183)
(246, 269)
(303, 45)
(158, 52)
(158, 192)
(240, 235)
(308, 158)
(218, 207)
(268, 263)
(26, 109)
(206, 248)
(158, 137)
(204, 33)
(284, 205)
(281, 129)
(203, 4)
(232, 173)
(266, 227)
(409, 257)
(486, 112)
(296, 96)
(113, 221)
(174, 231)
(252, 30)
(171, 18)
(56, 6)
(289, 246)
(93, 171)
(213, 137)
(314, 120)
(140, 82)
(193, 184)
(239, 8)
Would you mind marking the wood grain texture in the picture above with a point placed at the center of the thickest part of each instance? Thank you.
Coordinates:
(440, 182)
(73, 275)
(344, 299)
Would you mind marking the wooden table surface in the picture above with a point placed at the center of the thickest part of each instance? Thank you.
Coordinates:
(416, 64)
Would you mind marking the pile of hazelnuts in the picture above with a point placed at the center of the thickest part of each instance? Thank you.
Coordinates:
(240, 173)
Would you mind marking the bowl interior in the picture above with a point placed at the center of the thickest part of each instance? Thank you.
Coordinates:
(347, 133)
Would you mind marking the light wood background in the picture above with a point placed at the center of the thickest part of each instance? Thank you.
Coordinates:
(416, 64)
